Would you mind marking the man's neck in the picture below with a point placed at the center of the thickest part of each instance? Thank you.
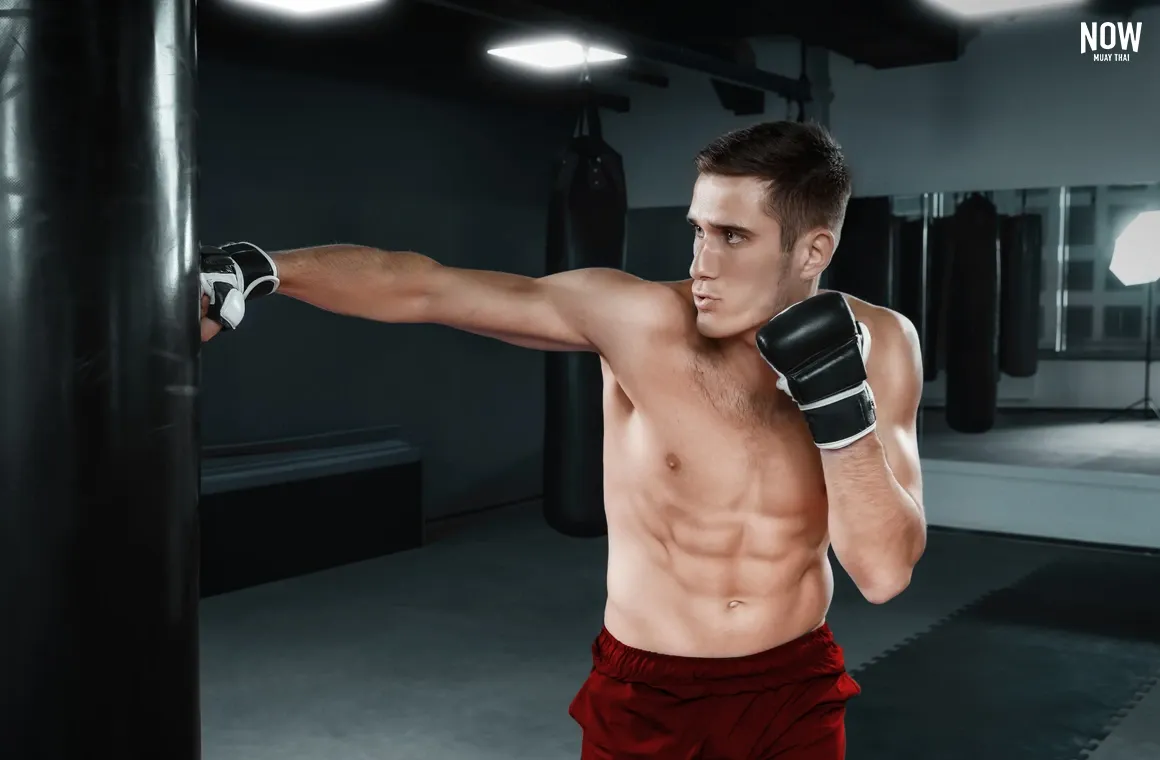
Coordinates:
(739, 352)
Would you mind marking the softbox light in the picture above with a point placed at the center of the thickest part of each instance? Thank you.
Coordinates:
(1136, 259)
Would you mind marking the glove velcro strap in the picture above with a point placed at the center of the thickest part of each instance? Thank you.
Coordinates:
(827, 375)
(257, 268)
(843, 418)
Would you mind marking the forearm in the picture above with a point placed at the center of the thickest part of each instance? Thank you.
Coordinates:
(357, 281)
(877, 529)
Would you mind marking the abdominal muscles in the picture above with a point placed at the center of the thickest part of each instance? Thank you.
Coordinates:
(716, 534)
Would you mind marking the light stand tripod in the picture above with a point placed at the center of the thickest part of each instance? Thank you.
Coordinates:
(1145, 404)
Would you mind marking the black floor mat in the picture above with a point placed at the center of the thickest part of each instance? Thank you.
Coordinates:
(1041, 670)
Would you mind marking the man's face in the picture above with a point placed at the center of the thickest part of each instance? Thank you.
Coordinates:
(741, 274)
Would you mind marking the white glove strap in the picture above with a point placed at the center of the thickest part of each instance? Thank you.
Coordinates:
(833, 445)
(864, 390)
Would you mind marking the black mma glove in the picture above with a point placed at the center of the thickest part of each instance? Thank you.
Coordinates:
(233, 274)
(818, 349)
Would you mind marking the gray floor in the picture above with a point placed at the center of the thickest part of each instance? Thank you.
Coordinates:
(473, 646)
(1050, 439)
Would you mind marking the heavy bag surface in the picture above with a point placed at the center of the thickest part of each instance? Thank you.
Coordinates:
(939, 251)
(99, 382)
(1021, 251)
(972, 346)
(861, 264)
(586, 228)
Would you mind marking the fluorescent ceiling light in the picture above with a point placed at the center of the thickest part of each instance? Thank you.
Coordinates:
(1136, 260)
(555, 54)
(976, 9)
(308, 7)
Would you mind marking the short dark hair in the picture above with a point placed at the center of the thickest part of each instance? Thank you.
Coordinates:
(808, 180)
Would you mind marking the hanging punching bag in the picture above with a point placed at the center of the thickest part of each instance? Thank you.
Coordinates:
(939, 251)
(972, 339)
(98, 382)
(908, 276)
(861, 266)
(586, 228)
(1021, 249)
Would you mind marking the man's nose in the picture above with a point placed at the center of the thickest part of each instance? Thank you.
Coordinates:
(705, 264)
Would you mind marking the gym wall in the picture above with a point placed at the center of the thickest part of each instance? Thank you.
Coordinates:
(666, 127)
(287, 161)
(1022, 108)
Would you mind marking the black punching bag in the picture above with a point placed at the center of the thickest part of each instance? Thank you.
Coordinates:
(972, 337)
(586, 228)
(98, 359)
(939, 249)
(1021, 250)
(909, 279)
(862, 264)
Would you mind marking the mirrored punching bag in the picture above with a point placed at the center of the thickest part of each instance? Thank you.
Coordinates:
(1021, 249)
(972, 314)
(862, 265)
(98, 381)
(586, 228)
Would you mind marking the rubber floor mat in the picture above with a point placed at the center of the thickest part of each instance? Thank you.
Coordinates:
(1040, 670)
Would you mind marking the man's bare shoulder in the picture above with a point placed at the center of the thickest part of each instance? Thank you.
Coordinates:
(647, 304)
(683, 290)
(660, 293)
(895, 345)
(884, 323)
(643, 324)
(673, 302)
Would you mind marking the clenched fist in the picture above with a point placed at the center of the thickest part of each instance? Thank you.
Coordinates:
(209, 328)
(230, 276)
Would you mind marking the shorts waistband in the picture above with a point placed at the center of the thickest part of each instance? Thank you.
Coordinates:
(812, 655)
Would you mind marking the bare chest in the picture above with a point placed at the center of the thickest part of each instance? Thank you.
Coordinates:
(708, 442)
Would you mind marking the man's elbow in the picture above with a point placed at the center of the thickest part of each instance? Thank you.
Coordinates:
(881, 587)
(881, 577)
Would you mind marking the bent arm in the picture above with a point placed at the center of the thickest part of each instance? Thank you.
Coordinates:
(578, 310)
(877, 524)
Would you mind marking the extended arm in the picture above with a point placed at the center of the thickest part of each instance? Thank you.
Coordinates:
(877, 525)
(580, 310)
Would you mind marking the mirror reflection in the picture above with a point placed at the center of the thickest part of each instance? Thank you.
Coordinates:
(1035, 351)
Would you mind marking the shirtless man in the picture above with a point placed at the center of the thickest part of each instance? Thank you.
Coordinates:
(723, 491)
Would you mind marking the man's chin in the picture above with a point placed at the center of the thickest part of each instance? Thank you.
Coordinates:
(711, 326)
(714, 326)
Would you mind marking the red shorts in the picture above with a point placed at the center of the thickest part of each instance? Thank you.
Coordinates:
(787, 703)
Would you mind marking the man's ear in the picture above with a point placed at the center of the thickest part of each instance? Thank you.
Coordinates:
(816, 250)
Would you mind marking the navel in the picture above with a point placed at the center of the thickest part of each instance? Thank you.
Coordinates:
(734, 604)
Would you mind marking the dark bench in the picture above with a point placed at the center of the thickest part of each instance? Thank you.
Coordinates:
(280, 509)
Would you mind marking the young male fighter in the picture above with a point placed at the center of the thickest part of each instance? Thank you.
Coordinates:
(749, 425)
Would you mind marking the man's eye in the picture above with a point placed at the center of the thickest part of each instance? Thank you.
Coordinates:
(732, 237)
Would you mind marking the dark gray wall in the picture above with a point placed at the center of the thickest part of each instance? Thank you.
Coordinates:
(660, 243)
(287, 162)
